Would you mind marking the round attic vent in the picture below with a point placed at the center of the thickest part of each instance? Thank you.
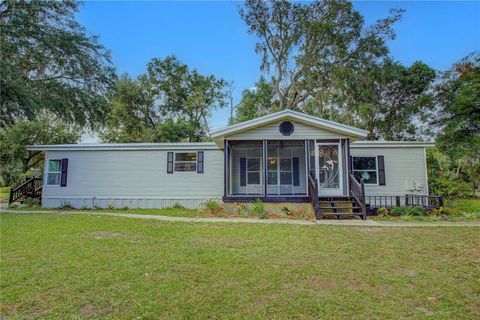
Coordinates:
(286, 128)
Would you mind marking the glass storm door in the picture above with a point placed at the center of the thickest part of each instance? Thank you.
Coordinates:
(329, 168)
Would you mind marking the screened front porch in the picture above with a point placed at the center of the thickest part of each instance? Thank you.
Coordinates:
(266, 168)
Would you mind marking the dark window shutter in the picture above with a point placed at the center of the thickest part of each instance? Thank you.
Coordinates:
(63, 177)
(381, 170)
(243, 172)
(170, 162)
(296, 171)
(200, 162)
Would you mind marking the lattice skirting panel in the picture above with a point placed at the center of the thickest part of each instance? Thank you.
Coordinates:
(277, 208)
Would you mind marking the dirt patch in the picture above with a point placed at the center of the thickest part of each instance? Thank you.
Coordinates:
(86, 310)
(370, 230)
(99, 235)
(405, 271)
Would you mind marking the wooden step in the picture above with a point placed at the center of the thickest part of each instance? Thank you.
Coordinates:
(324, 202)
(351, 207)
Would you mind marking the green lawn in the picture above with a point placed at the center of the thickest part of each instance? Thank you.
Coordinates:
(73, 266)
(4, 194)
(465, 205)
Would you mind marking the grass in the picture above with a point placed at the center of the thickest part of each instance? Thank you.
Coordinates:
(452, 218)
(4, 194)
(57, 266)
(464, 205)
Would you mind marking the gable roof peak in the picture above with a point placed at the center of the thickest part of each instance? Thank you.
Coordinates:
(291, 115)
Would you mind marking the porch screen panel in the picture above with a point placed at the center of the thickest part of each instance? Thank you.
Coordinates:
(246, 168)
(286, 168)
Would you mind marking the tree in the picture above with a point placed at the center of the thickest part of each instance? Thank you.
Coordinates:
(444, 177)
(256, 102)
(458, 118)
(135, 117)
(15, 161)
(310, 49)
(48, 62)
(390, 100)
(168, 103)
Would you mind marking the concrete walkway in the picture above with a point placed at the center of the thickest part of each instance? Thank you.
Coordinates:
(356, 223)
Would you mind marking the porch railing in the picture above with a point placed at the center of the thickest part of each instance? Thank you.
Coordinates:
(313, 195)
(32, 188)
(408, 200)
(357, 191)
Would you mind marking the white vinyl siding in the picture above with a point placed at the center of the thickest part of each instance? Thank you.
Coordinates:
(405, 170)
(271, 131)
(139, 176)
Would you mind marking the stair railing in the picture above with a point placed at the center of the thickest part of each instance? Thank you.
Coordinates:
(313, 195)
(31, 188)
(357, 191)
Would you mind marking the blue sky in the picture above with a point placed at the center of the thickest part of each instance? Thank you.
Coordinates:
(211, 37)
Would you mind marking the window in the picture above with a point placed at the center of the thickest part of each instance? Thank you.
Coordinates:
(286, 171)
(365, 168)
(54, 172)
(185, 161)
(272, 171)
(253, 171)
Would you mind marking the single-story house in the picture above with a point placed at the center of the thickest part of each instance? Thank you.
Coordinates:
(285, 158)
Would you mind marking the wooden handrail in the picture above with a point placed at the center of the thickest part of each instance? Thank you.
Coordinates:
(31, 188)
(357, 191)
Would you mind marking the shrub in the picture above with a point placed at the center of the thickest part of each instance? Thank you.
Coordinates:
(13, 206)
(243, 210)
(212, 206)
(31, 202)
(449, 211)
(408, 211)
(84, 207)
(383, 212)
(110, 205)
(258, 209)
(287, 211)
(124, 208)
(65, 205)
(177, 205)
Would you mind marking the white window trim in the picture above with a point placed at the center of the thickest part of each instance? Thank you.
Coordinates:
(175, 161)
(56, 172)
(376, 168)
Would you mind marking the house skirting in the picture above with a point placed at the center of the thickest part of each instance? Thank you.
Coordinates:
(124, 202)
(277, 208)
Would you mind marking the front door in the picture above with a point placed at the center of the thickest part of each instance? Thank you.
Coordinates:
(328, 160)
